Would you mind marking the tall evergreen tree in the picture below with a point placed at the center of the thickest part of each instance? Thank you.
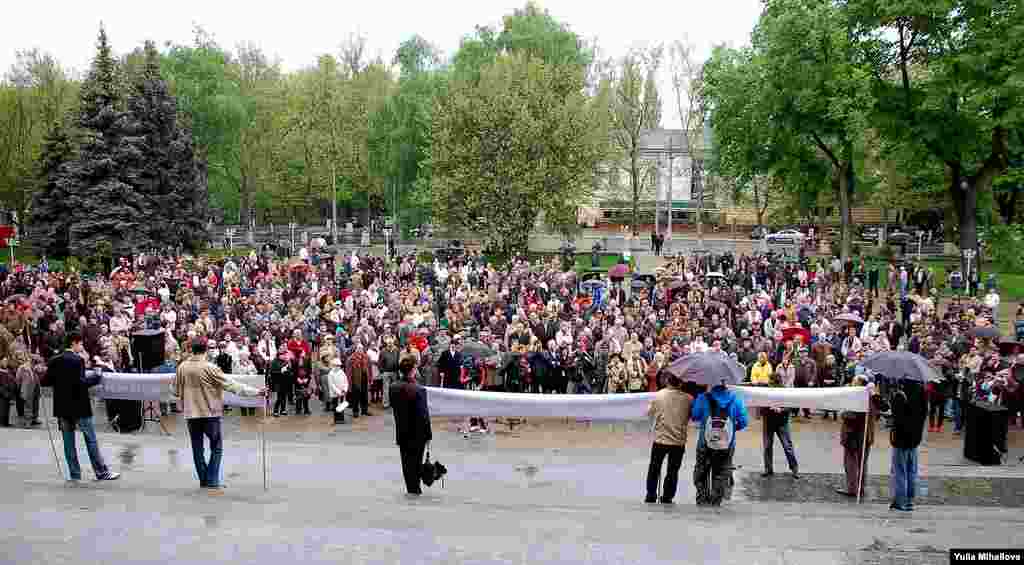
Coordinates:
(168, 175)
(50, 215)
(100, 182)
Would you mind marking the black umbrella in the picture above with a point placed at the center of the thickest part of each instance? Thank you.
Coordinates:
(901, 365)
(987, 332)
(708, 368)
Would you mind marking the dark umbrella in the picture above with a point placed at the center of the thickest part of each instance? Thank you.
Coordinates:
(901, 365)
(708, 369)
(987, 332)
(850, 318)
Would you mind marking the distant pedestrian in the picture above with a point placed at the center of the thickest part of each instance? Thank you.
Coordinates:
(73, 407)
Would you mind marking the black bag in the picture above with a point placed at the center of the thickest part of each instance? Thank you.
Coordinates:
(432, 471)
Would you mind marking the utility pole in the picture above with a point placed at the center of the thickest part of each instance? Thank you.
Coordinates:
(334, 204)
(668, 235)
(696, 172)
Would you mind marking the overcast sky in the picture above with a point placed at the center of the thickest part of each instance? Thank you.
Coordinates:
(297, 31)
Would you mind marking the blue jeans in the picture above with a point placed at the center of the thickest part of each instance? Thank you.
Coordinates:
(903, 476)
(775, 426)
(208, 471)
(84, 425)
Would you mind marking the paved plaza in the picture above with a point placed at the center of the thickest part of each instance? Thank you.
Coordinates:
(547, 491)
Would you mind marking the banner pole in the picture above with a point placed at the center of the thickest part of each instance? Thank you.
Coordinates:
(863, 454)
(53, 445)
(263, 441)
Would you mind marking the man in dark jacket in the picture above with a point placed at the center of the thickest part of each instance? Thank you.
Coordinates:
(388, 364)
(73, 408)
(909, 410)
(449, 365)
(412, 423)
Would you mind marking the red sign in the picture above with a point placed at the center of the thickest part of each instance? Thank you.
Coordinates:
(3, 242)
(7, 232)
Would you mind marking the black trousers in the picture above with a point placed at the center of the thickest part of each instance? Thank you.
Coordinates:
(412, 462)
(283, 396)
(675, 461)
(359, 400)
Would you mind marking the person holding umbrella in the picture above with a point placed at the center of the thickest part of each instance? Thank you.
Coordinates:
(720, 413)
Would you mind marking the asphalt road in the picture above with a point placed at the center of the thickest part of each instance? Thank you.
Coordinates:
(548, 492)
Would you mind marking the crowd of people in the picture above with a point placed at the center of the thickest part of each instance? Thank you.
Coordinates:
(336, 329)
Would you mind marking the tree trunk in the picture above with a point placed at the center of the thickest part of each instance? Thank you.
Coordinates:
(965, 203)
(244, 199)
(1007, 204)
(634, 178)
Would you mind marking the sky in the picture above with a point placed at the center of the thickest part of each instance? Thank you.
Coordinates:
(297, 31)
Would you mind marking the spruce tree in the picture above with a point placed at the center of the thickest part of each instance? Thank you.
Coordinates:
(168, 175)
(50, 216)
(101, 181)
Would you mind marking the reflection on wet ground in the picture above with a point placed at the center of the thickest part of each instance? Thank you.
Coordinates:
(127, 455)
(820, 487)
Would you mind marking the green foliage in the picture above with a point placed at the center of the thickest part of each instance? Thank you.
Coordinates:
(508, 147)
(1004, 246)
(946, 79)
(51, 211)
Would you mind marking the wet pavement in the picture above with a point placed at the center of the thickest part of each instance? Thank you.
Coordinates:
(547, 491)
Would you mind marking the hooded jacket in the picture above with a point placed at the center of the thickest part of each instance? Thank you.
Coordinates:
(725, 397)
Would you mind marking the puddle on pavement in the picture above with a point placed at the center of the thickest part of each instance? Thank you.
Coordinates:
(127, 455)
(820, 487)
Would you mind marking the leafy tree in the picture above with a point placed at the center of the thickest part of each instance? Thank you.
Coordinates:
(509, 147)
(635, 107)
(36, 93)
(817, 89)
(946, 78)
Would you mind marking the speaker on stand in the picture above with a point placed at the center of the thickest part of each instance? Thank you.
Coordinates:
(147, 348)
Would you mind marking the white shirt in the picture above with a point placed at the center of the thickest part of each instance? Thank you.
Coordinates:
(992, 300)
(303, 253)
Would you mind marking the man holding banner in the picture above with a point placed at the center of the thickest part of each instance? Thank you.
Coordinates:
(200, 385)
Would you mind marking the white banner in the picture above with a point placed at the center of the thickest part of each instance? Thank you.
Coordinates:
(449, 402)
(159, 387)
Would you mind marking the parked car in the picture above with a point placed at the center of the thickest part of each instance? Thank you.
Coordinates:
(786, 236)
(899, 238)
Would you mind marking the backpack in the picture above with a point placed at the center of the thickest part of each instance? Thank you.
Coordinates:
(718, 426)
(470, 369)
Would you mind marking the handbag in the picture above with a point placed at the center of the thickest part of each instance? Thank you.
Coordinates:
(432, 471)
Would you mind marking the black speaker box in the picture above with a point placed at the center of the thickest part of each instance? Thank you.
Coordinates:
(985, 440)
(148, 349)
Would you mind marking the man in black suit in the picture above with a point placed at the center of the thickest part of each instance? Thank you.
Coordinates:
(73, 408)
(894, 331)
(412, 423)
(449, 365)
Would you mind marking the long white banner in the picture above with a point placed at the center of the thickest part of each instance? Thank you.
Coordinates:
(448, 402)
(159, 387)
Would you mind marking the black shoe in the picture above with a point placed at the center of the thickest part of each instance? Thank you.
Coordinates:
(796, 475)
(277, 414)
(767, 474)
(650, 500)
(845, 493)
(666, 501)
(109, 476)
(307, 413)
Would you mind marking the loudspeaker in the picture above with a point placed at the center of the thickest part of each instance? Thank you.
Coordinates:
(125, 415)
(985, 440)
(148, 348)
